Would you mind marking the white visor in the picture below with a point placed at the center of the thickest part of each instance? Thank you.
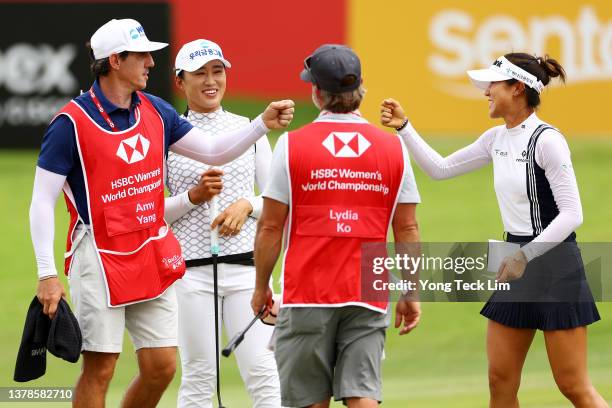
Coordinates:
(503, 70)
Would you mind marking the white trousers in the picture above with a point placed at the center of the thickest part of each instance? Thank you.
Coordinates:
(196, 336)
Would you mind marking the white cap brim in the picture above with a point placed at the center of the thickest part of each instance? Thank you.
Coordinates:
(141, 47)
(481, 78)
(147, 47)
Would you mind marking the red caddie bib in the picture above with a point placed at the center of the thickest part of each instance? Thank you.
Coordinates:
(345, 179)
(123, 174)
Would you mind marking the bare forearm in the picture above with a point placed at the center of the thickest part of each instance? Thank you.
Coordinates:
(407, 233)
(408, 242)
(268, 244)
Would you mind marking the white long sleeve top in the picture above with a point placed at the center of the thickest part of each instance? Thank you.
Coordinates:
(535, 185)
(191, 223)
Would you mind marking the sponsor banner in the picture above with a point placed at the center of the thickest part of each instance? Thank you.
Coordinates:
(418, 54)
(46, 64)
(266, 42)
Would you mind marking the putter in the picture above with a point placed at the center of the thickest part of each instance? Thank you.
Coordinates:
(237, 339)
(214, 251)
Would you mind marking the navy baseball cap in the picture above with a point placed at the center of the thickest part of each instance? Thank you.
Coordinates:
(334, 68)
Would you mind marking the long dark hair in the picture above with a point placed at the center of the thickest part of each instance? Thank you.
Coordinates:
(544, 68)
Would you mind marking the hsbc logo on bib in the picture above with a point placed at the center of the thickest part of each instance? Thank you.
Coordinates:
(346, 144)
(133, 149)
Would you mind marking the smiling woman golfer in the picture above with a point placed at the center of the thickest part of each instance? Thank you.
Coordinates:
(201, 74)
(540, 207)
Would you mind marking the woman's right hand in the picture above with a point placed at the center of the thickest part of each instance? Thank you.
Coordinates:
(278, 114)
(209, 186)
(391, 113)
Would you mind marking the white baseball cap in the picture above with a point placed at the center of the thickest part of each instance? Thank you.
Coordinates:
(503, 70)
(122, 35)
(193, 55)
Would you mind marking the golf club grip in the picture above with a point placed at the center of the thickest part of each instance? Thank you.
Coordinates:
(231, 346)
(214, 233)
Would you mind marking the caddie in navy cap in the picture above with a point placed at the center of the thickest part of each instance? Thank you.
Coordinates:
(333, 68)
(322, 262)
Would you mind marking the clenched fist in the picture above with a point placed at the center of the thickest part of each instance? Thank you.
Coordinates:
(210, 185)
(278, 114)
(391, 113)
(262, 298)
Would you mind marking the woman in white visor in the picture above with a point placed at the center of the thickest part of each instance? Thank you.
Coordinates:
(540, 207)
(201, 74)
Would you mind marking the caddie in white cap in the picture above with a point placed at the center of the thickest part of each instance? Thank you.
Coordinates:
(106, 150)
(201, 70)
(122, 35)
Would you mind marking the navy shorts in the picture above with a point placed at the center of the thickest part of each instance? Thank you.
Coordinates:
(553, 293)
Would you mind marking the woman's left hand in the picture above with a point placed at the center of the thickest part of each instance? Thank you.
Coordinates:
(231, 220)
(512, 267)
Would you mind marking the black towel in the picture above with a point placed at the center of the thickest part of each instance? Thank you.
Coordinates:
(62, 336)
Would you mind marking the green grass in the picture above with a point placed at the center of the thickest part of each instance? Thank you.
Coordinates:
(441, 364)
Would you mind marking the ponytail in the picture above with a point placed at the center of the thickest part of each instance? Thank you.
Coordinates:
(552, 68)
(543, 68)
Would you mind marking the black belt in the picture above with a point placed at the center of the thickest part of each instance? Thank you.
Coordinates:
(528, 238)
(245, 258)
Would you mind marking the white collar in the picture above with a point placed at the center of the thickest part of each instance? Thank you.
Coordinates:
(193, 115)
(327, 116)
(528, 125)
